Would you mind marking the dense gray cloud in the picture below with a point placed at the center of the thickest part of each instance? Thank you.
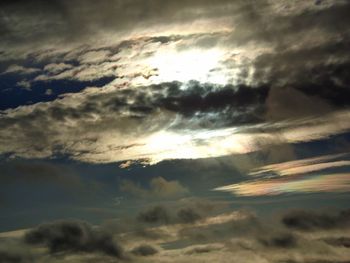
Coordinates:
(157, 214)
(280, 241)
(202, 249)
(15, 255)
(144, 250)
(249, 237)
(309, 220)
(338, 242)
(188, 215)
(80, 18)
(73, 236)
(69, 20)
(187, 211)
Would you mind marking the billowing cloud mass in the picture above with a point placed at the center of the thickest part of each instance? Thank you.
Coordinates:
(305, 220)
(243, 237)
(73, 236)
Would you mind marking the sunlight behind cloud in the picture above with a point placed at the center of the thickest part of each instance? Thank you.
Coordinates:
(188, 65)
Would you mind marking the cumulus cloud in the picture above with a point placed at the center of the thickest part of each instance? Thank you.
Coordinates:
(73, 236)
(202, 249)
(308, 220)
(188, 215)
(339, 242)
(250, 237)
(159, 188)
(144, 250)
(157, 214)
(280, 241)
(15, 254)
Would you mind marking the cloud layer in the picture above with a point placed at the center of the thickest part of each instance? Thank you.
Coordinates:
(178, 87)
(243, 236)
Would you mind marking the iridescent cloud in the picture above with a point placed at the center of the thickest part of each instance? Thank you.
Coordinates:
(309, 184)
(303, 166)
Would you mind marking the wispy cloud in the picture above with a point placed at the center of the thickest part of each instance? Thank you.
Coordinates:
(310, 184)
(303, 166)
(310, 175)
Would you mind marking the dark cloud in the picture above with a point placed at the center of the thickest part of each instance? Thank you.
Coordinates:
(285, 240)
(234, 104)
(11, 255)
(73, 236)
(202, 249)
(310, 220)
(144, 250)
(308, 71)
(64, 21)
(188, 215)
(231, 104)
(150, 234)
(250, 226)
(46, 128)
(154, 215)
(319, 260)
(338, 242)
(185, 211)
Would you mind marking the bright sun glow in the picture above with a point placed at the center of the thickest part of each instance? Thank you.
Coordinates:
(196, 64)
(192, 145)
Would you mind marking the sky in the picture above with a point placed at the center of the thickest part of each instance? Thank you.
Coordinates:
(175, 131)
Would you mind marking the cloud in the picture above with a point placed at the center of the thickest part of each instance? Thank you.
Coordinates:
(280, 241)
(55, 68)
(251, 238)
(272, 73)
(184, 212)
(310, 175)
(157, 214)
(308, 220)
(188, 215)
(202, 249)
(20, 70)
(73, 236)
(14, 254)
(157, 122)
(310, 184)
(303, 166)
(144, 250)
(338, 242)
(159, 188)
